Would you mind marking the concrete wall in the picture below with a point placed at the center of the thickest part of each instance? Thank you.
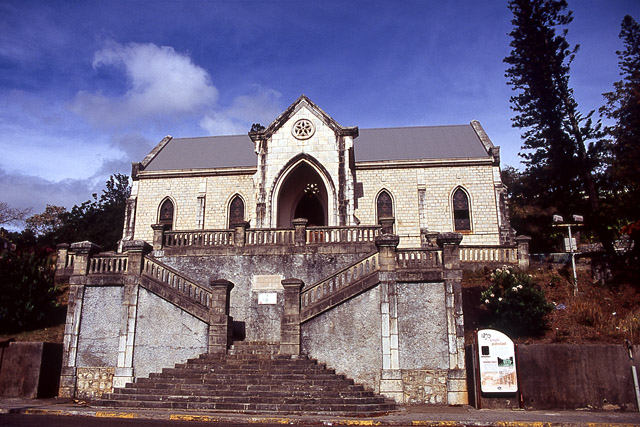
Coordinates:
(30, 369)
(347, 339)
(100, 326)
(165, 335)
(564, 376)
(255, 275)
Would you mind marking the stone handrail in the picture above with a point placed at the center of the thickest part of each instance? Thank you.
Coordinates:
(324, 290)
(107, 264)
(408, 259)
(198, 238)
(355, 234)
(269, 236)
(176, 281)
(489, 254)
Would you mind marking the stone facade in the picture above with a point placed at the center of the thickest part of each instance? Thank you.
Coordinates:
(300, 242)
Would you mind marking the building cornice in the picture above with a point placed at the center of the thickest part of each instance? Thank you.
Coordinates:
(430, 163)
(194, 173)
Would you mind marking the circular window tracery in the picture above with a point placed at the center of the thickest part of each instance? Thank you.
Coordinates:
(303, 129)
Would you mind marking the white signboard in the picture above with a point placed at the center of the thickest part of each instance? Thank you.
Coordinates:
(497, 357)
(267, 298)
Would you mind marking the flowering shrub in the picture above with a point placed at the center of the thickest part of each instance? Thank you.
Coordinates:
(516, 304)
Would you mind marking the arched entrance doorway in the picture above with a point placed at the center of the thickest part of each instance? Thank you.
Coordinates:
(302, 195)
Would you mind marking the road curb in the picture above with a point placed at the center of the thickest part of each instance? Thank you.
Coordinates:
(328, 421)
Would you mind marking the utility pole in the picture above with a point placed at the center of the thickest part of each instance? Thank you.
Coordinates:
(558, 221)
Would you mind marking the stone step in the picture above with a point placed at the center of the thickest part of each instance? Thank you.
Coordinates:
(255, 407)
(251, 378)
(242, 399)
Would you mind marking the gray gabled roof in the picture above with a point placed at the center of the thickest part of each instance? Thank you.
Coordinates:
(209, 152)
(422, 142)
(407, 143)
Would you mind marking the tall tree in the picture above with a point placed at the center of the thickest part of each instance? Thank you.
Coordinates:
(9, 215)
(623, 106)
(559, 141)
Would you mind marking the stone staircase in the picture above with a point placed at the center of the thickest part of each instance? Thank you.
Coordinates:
(251, 378)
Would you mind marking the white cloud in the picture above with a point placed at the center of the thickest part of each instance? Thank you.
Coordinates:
(162, 82)
(259, 107)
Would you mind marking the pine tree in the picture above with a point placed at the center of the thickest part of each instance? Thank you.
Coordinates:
(623, 106)
(559, 142)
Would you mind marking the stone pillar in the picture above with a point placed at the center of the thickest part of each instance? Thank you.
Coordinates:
(83, 251)
(158, 236)
(391, 384)
(61, 261)
(523, 251)
(219, 321)
(290, 325)
(70, 342)
(240, 233)
(300, 224)
(135, 250)
(452, 275)
(387, 225)
(124, 370)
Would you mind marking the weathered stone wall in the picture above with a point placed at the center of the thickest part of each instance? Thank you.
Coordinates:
(348, 339)
(256, 275)
(100, 326)
(165, 335)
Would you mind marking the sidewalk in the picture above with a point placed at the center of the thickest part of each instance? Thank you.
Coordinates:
(421, 415)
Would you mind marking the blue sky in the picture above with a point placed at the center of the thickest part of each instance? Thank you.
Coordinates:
(87, 87)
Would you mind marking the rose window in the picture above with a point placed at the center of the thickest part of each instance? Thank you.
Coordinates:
(303, 129)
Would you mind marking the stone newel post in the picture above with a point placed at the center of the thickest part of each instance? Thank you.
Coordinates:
(61, 259)
(300, 224)
(135, 250)
(452, 275)
(219, 321)
(290, 325)
(158, 236)
(387, 225)
(240, 233)
(523, 251)
(83, 251)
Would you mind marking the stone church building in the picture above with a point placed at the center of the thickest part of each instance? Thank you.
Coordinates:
(342, 244)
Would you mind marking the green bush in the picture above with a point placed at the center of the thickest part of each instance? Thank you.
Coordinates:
(27, 291)
(515, 303)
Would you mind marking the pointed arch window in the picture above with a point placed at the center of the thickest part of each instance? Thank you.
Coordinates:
(461, 211)
(236, 211)
(384, 205)
(165, 215)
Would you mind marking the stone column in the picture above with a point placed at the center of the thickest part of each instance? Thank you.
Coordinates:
(70, 342)
(290, 324)
(387, 225)
(300, 224)
(158, 236)
(83, 251)
(391, 384)
(240, 233)
(135, 250)
(452, 275)
(219, 321)
(61, 261)
(523, 251)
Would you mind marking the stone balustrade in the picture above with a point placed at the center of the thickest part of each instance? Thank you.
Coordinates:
(177, 282)
(269, 236)
(408, 259)
(199, 238)
(107, 264)
(322, 293)
(356, 234)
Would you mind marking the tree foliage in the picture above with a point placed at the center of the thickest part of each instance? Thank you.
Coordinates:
(27, 291)
(561, 145)
(10, 215)
(623, 106)
(516, 304)
(99, 220)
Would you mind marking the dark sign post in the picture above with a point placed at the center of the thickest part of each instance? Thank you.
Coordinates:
(558, 221)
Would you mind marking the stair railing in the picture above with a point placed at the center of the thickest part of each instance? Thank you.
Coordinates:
(176, 281)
